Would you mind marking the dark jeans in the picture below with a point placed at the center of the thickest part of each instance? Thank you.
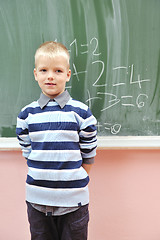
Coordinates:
(71, 226)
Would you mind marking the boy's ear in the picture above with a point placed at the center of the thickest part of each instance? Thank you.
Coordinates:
(68, 75)
(35, 73)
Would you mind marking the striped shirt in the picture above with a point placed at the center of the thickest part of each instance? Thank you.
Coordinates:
(55, 139)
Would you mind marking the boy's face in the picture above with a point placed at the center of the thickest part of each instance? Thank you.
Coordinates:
(52, 75)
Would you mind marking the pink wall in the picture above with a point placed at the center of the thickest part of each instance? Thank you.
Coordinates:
(124, 196)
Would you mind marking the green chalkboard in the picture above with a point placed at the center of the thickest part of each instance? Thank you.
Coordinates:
(115, 59)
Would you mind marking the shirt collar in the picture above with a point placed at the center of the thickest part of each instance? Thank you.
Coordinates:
(61, 99)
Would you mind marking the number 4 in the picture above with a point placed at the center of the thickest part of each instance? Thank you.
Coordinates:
(139, 81)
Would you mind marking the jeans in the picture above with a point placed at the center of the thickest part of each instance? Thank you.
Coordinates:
(71, 226)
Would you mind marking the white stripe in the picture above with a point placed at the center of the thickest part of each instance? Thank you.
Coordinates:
(25, 139)
(89, 155)
(88, 122)
(72, 102)
(52, 103)
(54, 135)
(56, 116)
(57, 175)
(87, 134)
(21, 123)
(32, 105)
(26, 149)
(88, 146)
(57, 197)
(55, 155)
(78, 104)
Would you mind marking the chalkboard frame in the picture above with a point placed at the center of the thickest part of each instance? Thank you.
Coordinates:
(122, 142)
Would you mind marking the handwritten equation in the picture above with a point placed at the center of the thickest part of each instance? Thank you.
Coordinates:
(91, 49)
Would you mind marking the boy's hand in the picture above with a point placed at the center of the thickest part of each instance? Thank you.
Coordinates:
(87, 167)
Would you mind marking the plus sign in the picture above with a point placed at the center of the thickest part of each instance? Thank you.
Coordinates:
(98, 126)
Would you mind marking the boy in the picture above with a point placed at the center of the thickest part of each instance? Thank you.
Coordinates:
(58, 138)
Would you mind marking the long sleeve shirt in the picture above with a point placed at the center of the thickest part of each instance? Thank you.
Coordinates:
(55, 138)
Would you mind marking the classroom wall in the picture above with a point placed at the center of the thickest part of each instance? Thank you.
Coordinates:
(124, 195)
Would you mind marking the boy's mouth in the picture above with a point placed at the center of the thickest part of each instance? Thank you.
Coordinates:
(50, 84)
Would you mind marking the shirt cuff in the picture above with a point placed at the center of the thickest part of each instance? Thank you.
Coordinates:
(88, 160)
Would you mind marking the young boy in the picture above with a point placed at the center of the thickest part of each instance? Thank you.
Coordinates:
(58, 138)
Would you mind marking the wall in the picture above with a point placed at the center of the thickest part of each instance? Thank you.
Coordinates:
(124, 195)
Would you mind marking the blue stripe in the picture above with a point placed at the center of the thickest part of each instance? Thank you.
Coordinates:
(58, 184)
(25, 145)
(53, 126)
(81, 112)
(34, 110)
(54, 165)
(55, 145)
(90, 128)
(87, 139)
(87, 150)
(20, 131)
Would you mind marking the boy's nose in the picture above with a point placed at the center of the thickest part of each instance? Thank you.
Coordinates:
(50, 76)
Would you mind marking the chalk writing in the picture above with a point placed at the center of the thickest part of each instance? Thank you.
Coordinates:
(93, 42)
(139, 102)
(112, 128)
(95, 83)
(77, 73)
(96, 47)
(90, 98)
(108, 91)
(139, 81)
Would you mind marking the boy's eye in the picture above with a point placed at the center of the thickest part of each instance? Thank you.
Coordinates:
(59, 71)
(43, 70)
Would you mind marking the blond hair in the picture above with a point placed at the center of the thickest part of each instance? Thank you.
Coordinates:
(52, 49)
